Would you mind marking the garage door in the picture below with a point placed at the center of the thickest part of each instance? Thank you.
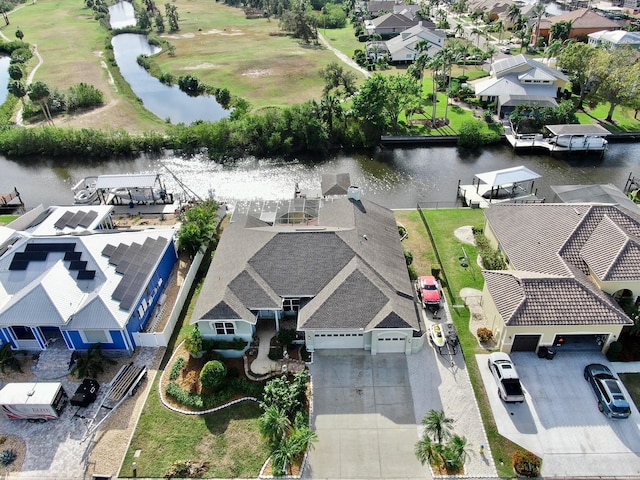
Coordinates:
(525, 343)
(338, 340)
(391, 344)
(582, 343)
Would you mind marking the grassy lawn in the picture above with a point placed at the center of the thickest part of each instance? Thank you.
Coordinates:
(4, 219)
(632, 383)
(228, 439)
(343, 39)
(71, 44)
(443, 223)
(622, 116)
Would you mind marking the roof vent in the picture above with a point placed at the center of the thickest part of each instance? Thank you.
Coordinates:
(354, 193)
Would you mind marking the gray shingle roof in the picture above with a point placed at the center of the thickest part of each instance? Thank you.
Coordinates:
(523, 298)
(350, 264)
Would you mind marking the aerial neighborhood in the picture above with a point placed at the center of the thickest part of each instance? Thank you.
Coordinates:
(149, 330)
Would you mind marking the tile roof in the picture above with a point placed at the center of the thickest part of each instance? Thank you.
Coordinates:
(352, 242)
(580, 18)
(526, 298)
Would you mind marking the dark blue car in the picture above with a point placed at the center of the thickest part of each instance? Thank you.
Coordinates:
(611, 399)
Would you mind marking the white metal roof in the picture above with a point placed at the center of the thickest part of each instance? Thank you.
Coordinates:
(507, 176)
(578, 129)
(54, 220)
(29, 393)
(130, 180)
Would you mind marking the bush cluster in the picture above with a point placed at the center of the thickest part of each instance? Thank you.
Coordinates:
(178, 367)
(484, 334)
(236, 344)
(210, 400)
(491, 259)
(526, 463)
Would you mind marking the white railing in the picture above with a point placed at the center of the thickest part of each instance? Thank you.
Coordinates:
(161, 339)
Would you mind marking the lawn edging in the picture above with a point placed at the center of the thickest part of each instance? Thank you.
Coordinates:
(189, 412)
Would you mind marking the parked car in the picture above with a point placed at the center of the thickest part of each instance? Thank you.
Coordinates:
(429, 292)
(606, 387)
(506, 376)
(505, 50)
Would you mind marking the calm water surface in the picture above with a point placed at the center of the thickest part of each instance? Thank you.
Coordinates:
(396, 178)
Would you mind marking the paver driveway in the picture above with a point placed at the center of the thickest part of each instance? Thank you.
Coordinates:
(364, 417)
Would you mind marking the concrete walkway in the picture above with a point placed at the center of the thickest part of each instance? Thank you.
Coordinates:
(263, 364)
(344, 58)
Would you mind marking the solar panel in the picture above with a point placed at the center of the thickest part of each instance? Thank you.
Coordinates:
(31, 256)
(127, 302)
(86, 274)
(50, 247)
(18, 265)
(78, 265)
(122, 267)
(75, 220)
(118, 254)
(108, 250)
(62, 221)
(88, 218)
(72, 256)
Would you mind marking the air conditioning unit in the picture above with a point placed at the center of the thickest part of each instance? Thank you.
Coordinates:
(162, 299)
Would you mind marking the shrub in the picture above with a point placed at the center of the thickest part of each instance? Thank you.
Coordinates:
(615, 349)
(184, 397)
(286, 336)
(7, 457)
(408, 258)
(213, 374)
(526, 463)
(178, 367)
(193, 342)
(413, 274)
(435, 270)
(236, 344)
(484, 334)
(276, 353)
(470, 136)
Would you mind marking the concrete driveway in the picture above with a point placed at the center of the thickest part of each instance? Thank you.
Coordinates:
(364, 417)
(560, 421)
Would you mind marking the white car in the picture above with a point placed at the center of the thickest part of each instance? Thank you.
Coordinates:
(504, 372)
(505, 50)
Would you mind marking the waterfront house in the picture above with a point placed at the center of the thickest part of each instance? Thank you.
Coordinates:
(583, 22)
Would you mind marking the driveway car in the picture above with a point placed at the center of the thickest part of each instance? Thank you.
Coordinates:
(429, 291)
(506, 376)
(505, 50)
(607, 389)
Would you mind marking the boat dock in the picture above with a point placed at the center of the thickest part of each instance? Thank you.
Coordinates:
(11, 202)
(563, 138)
(509, 185)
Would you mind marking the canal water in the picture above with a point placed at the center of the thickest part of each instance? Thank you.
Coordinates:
(395, 178)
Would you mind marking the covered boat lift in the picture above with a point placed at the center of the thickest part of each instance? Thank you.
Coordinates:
(580, 137)
(515, 184)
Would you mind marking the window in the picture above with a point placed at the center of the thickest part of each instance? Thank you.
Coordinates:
(96, 336)
(225, 328)
(23, 333)
(291, 304)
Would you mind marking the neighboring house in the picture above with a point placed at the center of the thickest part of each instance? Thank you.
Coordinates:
(567, 265)
(493, 8)
(333, 269)
(608, 193)
(380, 7)
(391, 24)
(78, 287)
(403, 48)
(520, 80)
(611, 39)
(583, 22)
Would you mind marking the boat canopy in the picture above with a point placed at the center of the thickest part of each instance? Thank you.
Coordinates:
(578, 129)
(507, 176)
(135, 180)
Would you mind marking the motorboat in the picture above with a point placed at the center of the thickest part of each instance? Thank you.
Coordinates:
(85, 191)
(437, 335)
(140, 195)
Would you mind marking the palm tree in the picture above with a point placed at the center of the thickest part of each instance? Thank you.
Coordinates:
(438, 425)
(477, 32)
(456, 453)
(426, 450)
(18, 89)
(459, 30)
(92, 363)
(513, 13)
(491, 51)
(8, 358)
(553, 49)
(538, 11)
(39, 93)
(273, 424)
(330, 108)
(435, 64)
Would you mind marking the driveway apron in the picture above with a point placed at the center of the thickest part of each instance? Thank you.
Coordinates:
(364, 417)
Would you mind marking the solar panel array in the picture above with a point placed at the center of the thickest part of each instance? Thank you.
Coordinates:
(75, 220)
(39, 252)
(135, 263)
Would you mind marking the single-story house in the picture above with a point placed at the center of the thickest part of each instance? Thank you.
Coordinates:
(567, 264)
(403, 47)
(583, 22)
(611, 39)
(520, 80)
(78, 289)
(331, 268)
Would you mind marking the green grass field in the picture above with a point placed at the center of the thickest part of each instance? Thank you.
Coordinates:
(622, 117)
(632, 384)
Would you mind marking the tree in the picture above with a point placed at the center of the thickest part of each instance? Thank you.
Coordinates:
(578, 59)
(198, 226)
(538, 11)
(273, 424)
(470, 135)
(18, 89)
(213, 374)
(426, 450)
(159, 21)
(8, 358)
(330, 108)
(171, 12)
(455, 452)
(435, 64)
(300, 21)
(560, 31)
(438, 425)
(491, 51)
(617, 75)
(39, 93)
(369, 105)
(404, 92)
(144, 21)
(19, 34)
(91, 363)
(553, 49)
(193, 342)
(513, 13)
(15, 71)
(5, 7)
(459, 30)
(338, 80)
(499, 26)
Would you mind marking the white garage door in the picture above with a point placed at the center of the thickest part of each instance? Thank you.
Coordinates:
(338, 340)
(391, 344)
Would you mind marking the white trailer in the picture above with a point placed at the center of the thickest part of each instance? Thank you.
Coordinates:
(33, 401)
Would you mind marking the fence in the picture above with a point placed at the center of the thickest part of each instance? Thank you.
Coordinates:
(161, 339)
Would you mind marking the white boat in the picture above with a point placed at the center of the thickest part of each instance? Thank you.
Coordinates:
(85, 191)
(437, 335)
(140, 195)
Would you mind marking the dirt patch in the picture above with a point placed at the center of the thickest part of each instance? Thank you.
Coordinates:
(232, 32)
(19, 448)
(473, 300)
(465, 234)
(258, 73)
(200, 66)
